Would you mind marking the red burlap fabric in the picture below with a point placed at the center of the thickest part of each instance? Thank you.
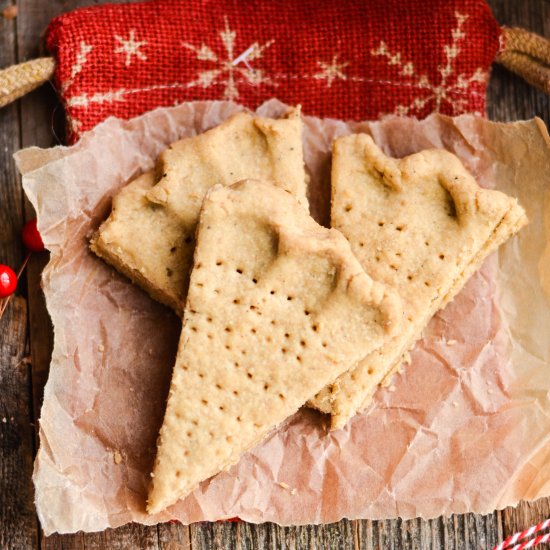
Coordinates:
(351, 59)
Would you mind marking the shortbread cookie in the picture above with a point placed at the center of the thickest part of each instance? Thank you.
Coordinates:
(244, 147)
(277, 308)
(421, 225)
(145, 243)
(153, 245)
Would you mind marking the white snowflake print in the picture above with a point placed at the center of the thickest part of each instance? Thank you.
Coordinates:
(330, 72)
(130, 47)
(81, 59)
(228, 71)
(451, 88)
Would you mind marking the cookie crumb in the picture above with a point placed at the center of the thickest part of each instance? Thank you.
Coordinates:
(451, 342)
(287, 487)
(101, 347)
(117, 457)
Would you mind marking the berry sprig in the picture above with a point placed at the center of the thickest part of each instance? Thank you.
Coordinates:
(8, 278)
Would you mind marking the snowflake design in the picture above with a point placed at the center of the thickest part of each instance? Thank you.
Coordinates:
(228, 70)
(130, 47)
(81, 59)
(449, 86)
(330, 72)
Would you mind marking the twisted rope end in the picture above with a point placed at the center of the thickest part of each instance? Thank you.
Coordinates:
(18, 80)
(527, 55)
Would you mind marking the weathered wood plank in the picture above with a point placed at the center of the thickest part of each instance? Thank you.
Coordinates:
(458, 532)
(19, 528)
(130, 536)
(10, 195)
(247, 536)
(174, 536)
(213, 535)
(252, 536)
(340, 535)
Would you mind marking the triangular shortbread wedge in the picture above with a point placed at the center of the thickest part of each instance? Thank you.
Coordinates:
(421, 225)
(154, 246)
(277, 308)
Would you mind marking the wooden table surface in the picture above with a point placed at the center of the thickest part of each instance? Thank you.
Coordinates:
(25, 343)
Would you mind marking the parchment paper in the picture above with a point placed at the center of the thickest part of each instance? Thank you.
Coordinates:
(465, 428)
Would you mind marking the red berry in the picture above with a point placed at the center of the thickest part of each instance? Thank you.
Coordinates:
(31, 237)
(8, 281)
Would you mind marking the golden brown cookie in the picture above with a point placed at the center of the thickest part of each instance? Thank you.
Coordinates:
(421, 225)
(277, 308)
(149, 235)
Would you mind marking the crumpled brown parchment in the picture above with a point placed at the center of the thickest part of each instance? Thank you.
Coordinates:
(465, 427)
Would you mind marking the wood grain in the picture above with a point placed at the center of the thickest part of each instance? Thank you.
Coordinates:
(17, 517)
(510, 97)
(19, 526)
(35, 121)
